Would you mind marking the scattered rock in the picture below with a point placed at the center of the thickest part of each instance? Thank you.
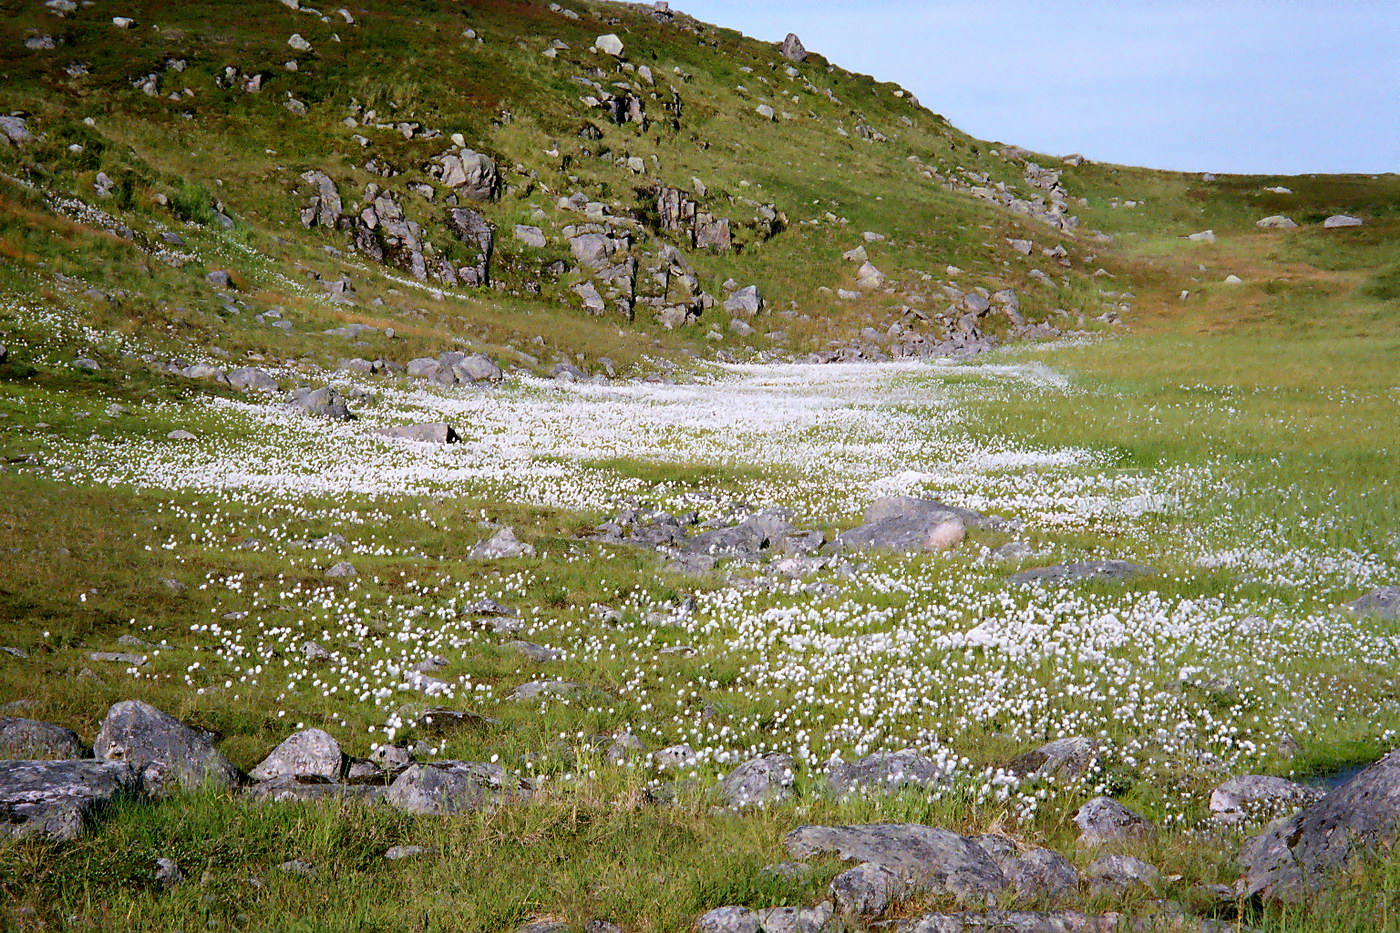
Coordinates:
(535, 652)
(1383, 602)
(759, 781)
(342, 569)
(1104, 820)
(219, 279)
(884, 772)
(866, 890)
(1114, 874)
(396, 853)
(454, 787)
(1205, 236)
(164, 751)
(530, 236)
(1258, 797)
(535, 689)
(1042, 873)
(924, 857)
(324, 402)
(502, 544)
(609, 44)
(311, 752)
(248, 378)
(1064, 758)
(792, 48)
(435, 433)
(728, 920)
(1342, 220)
(54, 798)
(1088, 570)
(168, 874)
(1276, 222)
(29, 738)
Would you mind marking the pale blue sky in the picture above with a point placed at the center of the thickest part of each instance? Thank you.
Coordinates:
(1288, 86)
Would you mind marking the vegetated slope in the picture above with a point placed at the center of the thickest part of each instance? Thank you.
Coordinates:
(329, 148)
(186, 551)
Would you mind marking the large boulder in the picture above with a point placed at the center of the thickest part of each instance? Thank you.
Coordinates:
(1294, 859)
(454, 787)
(1063, 758)
(1276, 222)
(29, 738)
(762, 780)
(479, 237)
(248, 378)
(324, 402)
(309, 753)
(166, 752)
(1342, 220)
(471, 174)
(792, 48)
(924, 857)
(502, 544)
(745, 301)
(475, 367)
(906, 524)
(884, 772)
(53, 798)
(1041, 873)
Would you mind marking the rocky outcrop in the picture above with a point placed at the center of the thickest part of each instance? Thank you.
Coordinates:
(467, 172)
(792, 48)
(325, 207)
(479, 237)
(909, 525)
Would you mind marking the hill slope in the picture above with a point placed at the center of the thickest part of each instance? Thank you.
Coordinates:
(663, 573)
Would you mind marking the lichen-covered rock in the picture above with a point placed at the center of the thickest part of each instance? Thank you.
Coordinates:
(166, 753)
(54, 798)
(1293, 860)
(454, 787)
(762, 780)
(29, 738)
(1104, 820)
(309, 752)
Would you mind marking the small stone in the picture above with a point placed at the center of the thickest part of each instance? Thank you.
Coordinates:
(395, 853)
(342, 569)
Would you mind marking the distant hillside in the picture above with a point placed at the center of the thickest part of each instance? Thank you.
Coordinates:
(539, 182)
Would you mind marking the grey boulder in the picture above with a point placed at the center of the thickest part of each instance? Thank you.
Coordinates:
(324, 402)
(454, 787)
(1383, 602)
(1042, 873)
(759, 781)
(1293, 860)
(54, 798)
(501, 545)
(1086, 570)
(310, 752)
(1342, 220)
(925, 858)
(727, 920)
(1258, 797)
(905, 524)
(164, 751)
(250, 378)
(1063, 758)
(1104, 820)
(1114, 874)
(884, 772)
(866, 890)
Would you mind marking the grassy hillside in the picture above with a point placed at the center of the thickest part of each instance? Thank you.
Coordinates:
(1239, 437)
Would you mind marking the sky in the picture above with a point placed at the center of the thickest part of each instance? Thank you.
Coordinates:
(1253, 86)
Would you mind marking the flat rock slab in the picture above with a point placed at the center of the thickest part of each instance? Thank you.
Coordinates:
(1079, 572)
(928, 858)
(54, 798)
(1295, 858)
(454, 787)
